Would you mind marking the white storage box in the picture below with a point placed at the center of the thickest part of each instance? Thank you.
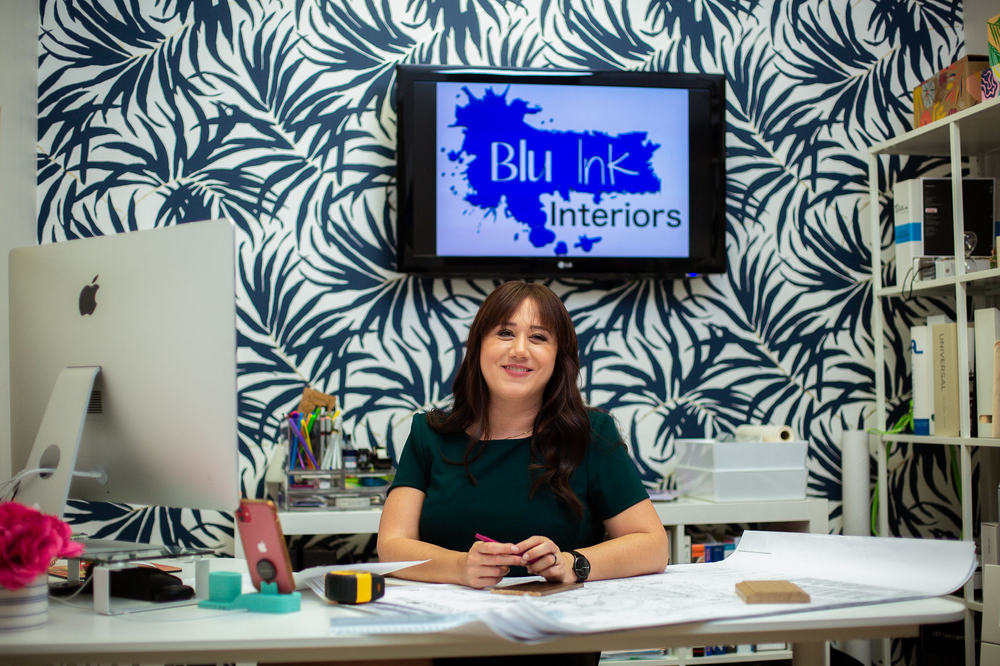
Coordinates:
(712, 455)
(741, 485)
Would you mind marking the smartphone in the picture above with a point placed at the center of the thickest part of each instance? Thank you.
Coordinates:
(539, 588)
(264, 544)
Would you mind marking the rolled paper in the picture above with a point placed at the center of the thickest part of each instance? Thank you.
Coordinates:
(996, 389)
(766, 433)
(855, 470)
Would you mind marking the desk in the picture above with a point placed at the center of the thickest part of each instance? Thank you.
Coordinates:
(193, 635)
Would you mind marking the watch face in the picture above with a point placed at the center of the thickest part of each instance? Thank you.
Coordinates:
(581, 566)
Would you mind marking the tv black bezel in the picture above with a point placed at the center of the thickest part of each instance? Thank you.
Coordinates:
(707, 182)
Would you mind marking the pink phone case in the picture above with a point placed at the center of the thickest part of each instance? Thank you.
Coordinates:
(264, 544)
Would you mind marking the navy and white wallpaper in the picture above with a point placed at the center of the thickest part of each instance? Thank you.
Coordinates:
(279, 115)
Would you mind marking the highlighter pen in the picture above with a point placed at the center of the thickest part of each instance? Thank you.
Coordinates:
(483, 537)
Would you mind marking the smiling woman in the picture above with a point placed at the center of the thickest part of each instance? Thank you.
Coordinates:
(521, 458)
(517, 358)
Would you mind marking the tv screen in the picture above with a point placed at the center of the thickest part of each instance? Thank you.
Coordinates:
(560, 173)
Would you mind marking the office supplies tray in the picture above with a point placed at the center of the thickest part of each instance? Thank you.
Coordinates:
(332, 490)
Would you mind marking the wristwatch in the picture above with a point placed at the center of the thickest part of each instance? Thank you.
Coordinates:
(581, 566)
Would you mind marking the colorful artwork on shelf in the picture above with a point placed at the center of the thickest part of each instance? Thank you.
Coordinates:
(948, 91)
(990, 82)
(993, 39)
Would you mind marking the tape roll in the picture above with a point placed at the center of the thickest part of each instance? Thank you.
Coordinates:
(765, 433)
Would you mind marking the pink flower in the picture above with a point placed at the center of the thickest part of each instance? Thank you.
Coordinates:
(29, 542)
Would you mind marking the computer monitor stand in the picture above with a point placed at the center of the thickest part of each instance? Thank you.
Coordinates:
(58, 442)
(56, 447)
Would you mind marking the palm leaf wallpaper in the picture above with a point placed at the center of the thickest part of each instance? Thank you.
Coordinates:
(278, 114)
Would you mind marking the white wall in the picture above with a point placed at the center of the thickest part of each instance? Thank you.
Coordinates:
(18, 132)
(975, 13)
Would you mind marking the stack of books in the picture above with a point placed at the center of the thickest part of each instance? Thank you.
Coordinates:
(936, 375)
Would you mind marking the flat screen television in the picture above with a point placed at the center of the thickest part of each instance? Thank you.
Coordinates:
(560, 173)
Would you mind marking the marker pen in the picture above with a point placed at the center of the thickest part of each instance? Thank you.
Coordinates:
(483, 537)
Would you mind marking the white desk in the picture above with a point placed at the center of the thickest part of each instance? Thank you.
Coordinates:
(193, 635)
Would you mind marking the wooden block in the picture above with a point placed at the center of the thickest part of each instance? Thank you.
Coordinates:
(771, 592)
(311, 399)
(536, 588)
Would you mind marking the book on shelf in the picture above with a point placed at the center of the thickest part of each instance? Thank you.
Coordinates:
(945, 377)
(921, 373)
(931, 322)
(712, 551)
(938, 216)
(986, 322)
(995, 430)
(944, 356)
(769, 647)
(970, 375)
(906, 228)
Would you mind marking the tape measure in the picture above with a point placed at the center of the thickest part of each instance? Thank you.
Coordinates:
(353, 587)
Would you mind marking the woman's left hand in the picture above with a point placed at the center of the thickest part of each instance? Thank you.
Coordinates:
(542, 557)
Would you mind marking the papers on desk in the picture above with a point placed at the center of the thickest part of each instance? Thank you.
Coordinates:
(313, 577)
(836, 571)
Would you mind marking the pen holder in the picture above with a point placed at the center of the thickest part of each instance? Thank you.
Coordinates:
(224, 594)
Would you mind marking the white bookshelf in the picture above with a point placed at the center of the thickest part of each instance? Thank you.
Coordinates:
(971, 134)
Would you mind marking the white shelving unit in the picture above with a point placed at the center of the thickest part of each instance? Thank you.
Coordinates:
(972, 133)
(808, 515)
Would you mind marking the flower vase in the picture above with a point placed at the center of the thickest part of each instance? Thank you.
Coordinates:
(26, 608)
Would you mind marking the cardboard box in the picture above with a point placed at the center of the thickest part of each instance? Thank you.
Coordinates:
(989, 82)
(993, 39)
(946, 92)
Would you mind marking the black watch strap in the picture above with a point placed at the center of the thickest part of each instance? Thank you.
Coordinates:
(581, 566)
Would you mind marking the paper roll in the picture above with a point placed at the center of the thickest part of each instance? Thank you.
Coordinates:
(765, 433)
(855, 471)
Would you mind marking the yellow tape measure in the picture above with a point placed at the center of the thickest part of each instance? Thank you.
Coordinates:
(353, 587)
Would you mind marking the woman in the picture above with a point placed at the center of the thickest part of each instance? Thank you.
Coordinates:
(520, 459)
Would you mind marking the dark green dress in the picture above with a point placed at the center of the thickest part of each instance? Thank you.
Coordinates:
(498, 504)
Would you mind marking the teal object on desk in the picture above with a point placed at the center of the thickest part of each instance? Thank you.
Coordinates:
(224, 594)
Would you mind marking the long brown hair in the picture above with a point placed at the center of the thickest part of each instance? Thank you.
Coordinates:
(562, 427)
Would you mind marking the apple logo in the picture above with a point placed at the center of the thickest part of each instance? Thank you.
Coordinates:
(262, 547)
(88, 297)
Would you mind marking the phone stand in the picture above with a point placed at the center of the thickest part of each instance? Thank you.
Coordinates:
(224, 594)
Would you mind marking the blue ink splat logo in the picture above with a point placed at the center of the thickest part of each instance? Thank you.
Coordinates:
(510, 165)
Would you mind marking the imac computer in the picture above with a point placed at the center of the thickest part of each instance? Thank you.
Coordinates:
(123, 369)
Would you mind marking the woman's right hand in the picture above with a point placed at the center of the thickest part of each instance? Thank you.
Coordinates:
(487, 563)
